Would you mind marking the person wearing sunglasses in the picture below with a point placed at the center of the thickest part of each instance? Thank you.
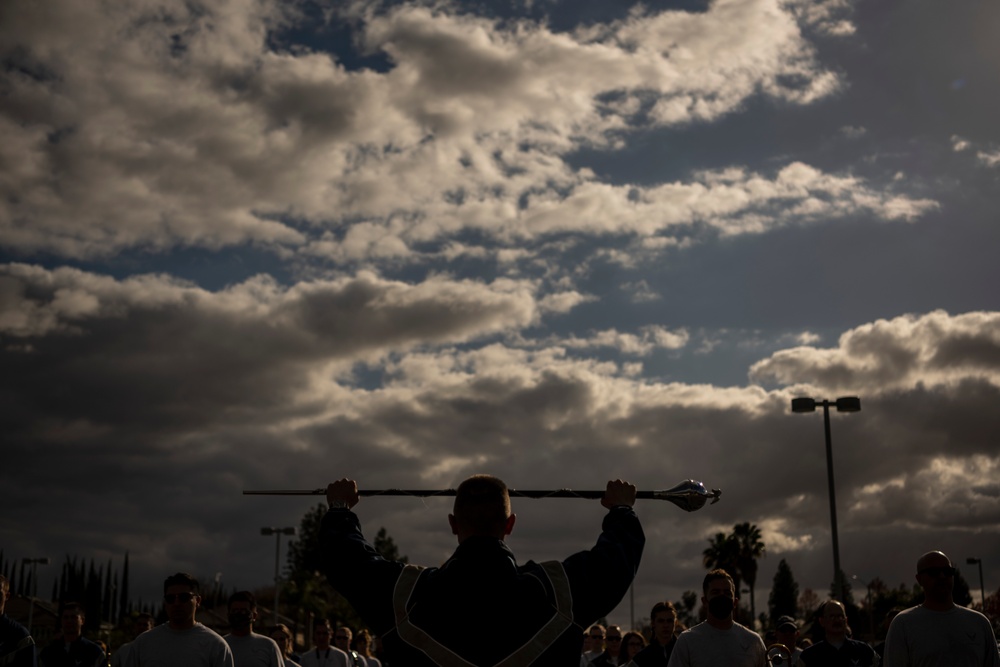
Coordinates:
(324, 654)
(939, 632)
(181, 640)
(593, 644)
(448, 615)
(612, 647)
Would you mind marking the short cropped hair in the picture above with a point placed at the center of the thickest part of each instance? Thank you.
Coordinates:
(482, 504)
(717, 573)
(666, 605)
(243, 596)
(74, 607)
(181, 579)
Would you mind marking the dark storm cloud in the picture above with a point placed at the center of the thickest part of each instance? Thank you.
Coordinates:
(910, 463)
(137, 408)
(154, 355)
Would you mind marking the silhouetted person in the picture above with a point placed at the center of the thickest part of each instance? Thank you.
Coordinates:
(786, 633)
(362, 643)
(283, 637)
(72, 649)
(939, 632)
(181, 640)
(664, 619)
(612, 647)
(593, 644)
(324, 655)
(17, 648)
(837, 648)
(719, 640)
(249, 648)
(480, 607)
(143, 623)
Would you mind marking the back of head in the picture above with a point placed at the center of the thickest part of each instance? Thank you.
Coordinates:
(181, 579)
(482, 505)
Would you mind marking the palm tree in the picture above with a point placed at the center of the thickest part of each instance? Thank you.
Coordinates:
(749, 547)
(722, 553)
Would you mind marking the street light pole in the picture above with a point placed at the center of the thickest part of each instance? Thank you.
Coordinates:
(277, 532)
(843, 404)
(833, 503)
(982, 587)
(34, 563)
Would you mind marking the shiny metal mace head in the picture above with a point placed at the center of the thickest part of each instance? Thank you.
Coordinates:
(689, 495)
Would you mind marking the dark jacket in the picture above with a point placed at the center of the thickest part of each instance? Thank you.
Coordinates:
(852, 652)
(480, 606)
(655, 655)
(81, 652)
(16, 646)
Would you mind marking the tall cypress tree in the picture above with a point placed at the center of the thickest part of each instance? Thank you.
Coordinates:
(92, 597)
(784, 598)
(114, 600)
(124, 606)
(107, 594)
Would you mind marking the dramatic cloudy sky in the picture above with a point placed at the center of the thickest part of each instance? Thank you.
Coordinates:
(267, 244)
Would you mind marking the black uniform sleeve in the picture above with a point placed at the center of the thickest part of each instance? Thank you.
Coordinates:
(357, 571)
(599, 578)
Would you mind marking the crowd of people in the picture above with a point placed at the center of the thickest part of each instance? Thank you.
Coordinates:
(481, 608)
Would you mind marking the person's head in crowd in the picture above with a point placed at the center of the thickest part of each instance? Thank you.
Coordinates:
(71, 618)
(181, 598)
(482, 509)
(663, 617)
(613, 639)
(887, 621)
(282, 636)
(362, 642)
(242, 610)
(596, 634)
(833, 619)
(322, 634)
(719, 597)
(142, 623)
(786, 632)
(936, 575)
(342, 638)
(632, 643)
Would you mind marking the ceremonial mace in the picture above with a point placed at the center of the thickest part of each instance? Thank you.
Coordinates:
(689, 495)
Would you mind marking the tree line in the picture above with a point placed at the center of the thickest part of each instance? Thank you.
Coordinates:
(738, 551)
